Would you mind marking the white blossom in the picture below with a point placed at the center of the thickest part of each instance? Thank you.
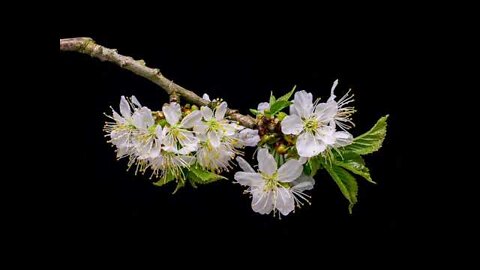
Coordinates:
(315, 123)
(273, 188)
(215, 126)
(177, 133)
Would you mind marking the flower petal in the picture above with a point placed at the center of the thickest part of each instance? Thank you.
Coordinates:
(285, 201)
(221, 110)
(206, 97)
(343, 138)
(117, 117)
(304, 182)
(200, 128)
(125, 108)
(263, 106)
(191, 120)
(249, 137)
(207, 113)
(172, 113)
(187, 138)
(266, 162)
(142, 118)
(136, 102)
(308, 145)
(303, 103)
(214, 138)
(244, 165)
(290, 170)
(292, 124)
(325, 112)
(262, 202)
(332, 96)
(326, 134)
(248, 178)
(159, 133)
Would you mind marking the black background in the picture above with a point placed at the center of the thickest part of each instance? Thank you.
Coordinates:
(242, 64)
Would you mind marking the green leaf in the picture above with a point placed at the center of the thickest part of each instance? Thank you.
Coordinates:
(198, 175)
(167, 178)
(355, 164)
(255, 112)
(180, 184)
(312, 166)
(346, 182)
(272, 98)
(315, 165)
(278, 106)
(370, 141)
(287, 96)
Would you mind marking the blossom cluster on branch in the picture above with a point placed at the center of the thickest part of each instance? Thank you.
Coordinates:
(191, 144)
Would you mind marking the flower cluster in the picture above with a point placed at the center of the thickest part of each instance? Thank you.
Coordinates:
(311, 129)
(170, 141)
(197, 144)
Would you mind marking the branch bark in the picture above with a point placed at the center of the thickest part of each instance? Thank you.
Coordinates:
(88, 46)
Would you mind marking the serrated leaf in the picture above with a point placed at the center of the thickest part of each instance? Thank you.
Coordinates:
(278, 106)
(346, 182)
(370, 141)
(287, 96)
(200, 176)
(355, 164)
(255, 112)
(167, 178)
(272, 98)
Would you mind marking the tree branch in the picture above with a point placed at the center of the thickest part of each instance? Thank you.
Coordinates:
(88, 46)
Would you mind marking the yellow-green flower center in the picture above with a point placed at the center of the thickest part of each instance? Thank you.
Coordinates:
(311, 124)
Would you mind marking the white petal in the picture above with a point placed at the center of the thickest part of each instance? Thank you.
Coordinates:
(221, 110)
(244, 165)
(191, 120)
(200, 128)
(326, 134)
(159, 133)
(292, 124)
(285, 202)
(187, 138)
(207, 113)
(125, 108)
(303, 160)
(293, 111)
(303, 103)
(142, 118)
(117, 117)
(332, 96)
(304, 182)
(249, 137)
(308, 145)
(266, 162)
(325, 112)
(248, 178)
(135, 101)
(263, 106)
(172, 113)
(206, 97)
(262, 202)
(290, 170)
(214, 138)
(343, 138)
(229, 130)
